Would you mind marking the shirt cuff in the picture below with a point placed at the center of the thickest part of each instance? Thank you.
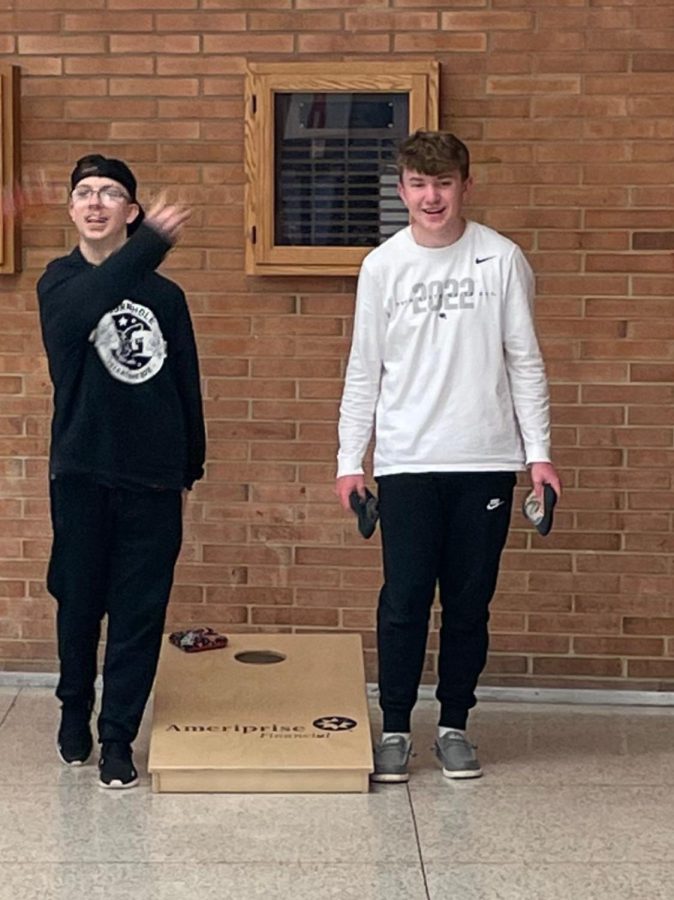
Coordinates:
(537, 453)
(349, 466)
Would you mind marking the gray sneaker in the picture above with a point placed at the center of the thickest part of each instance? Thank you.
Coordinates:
(458, 756)
(391, 757)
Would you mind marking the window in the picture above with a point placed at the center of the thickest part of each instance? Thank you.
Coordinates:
(320, 150)
(10, 249)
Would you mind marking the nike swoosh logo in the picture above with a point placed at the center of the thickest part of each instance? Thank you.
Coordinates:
(495, 503)
(484, 259)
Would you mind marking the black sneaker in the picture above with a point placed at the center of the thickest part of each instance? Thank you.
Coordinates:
(74, 742)
(116, 768)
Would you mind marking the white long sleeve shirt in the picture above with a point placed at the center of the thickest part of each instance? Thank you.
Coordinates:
(445, 360)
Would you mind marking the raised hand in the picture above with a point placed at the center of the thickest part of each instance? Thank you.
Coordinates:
(167, 218)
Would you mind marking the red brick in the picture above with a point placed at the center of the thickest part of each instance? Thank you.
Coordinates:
(557, 665)
(500, 664)
(640, 625)
(163, 43)
(465, 4)
(201, 22)
(529, 40)
(275, 615)
(105, 22)
(150, 87)
(653, 286)
(487, 20)
(42, 65)
(529, 643)
(652, 372)
(650, 415)
(650, 668)
(333, 4)
(259, 4)
(654, 18)
(294, 21)
(132, 109)
(160, 130)
(58, 44)
(261, 43)
(152, 4)
(342, 43)
(553, 104)
(654, 62)
(620, 603)
(358, 618)
(628, 646)
(532, 602)
(574, 624)
(25, 21)
(569, 84)
(205, 65)
(646, 563)
(391, 21)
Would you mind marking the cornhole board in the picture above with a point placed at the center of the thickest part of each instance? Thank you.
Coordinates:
(222, 724)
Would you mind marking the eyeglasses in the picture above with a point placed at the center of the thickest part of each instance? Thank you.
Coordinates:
(108, 195)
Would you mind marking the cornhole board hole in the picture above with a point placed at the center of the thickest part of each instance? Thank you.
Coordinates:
(267, 713)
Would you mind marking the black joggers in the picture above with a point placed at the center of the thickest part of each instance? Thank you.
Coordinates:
(114, 552)
(445, 529)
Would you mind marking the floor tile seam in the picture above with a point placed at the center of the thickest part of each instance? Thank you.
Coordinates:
(319, 862)
(535, 862)
(561, 864)
(12, 704)
(417, 838)
(82, 781)
(513, 786)
(167, 865)
(618, 784)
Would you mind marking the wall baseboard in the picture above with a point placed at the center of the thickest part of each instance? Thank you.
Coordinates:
(574, 696)
(571, 696)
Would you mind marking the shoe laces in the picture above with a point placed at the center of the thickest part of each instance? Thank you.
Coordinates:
(392, 740)
(455, 736)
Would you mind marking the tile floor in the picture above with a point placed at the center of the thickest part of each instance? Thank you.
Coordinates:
(577, 803)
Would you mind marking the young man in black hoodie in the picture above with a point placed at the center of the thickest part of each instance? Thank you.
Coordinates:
(127, 440)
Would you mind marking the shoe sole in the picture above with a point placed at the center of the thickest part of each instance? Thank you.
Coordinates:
(462, 773)
(389, 779)
(117, 785)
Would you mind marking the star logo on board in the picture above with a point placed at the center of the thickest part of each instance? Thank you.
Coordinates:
(335, 723)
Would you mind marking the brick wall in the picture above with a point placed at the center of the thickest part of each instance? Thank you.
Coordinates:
(567, 106)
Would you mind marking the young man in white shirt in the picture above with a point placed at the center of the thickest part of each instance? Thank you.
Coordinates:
(445, 360)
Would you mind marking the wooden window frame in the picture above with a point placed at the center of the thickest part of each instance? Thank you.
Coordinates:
(10, 170)
(418, 78)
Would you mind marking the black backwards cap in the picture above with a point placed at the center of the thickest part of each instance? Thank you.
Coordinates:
(105, 167)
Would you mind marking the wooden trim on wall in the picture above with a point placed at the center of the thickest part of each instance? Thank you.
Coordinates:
(10, 170)
(419, 78)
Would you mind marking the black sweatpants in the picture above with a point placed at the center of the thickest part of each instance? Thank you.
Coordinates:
(114, 552)
(447, 529)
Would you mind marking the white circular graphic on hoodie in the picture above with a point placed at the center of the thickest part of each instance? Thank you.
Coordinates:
(130, 343)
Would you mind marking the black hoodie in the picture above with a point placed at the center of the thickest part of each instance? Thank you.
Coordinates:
(123, 361)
